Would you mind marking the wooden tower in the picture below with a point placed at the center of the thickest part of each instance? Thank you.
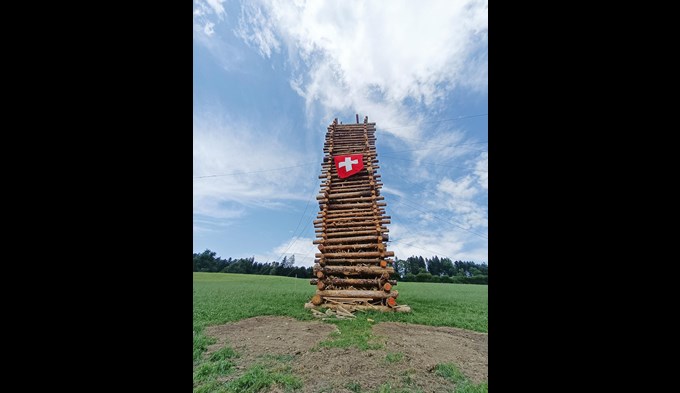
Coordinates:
(352, 268)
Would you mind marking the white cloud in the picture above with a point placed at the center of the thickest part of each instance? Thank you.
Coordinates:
(482, 170)
(457, 190)
(227, 147)
(216, 5)
(393, 191)
(301, 247)
(409, 240)
(209, 28)
(457, 197)
(366, 57)
(256, 29)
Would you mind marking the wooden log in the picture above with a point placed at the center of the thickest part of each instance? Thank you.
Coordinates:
(347, 246)
(369, 211)
(350, 233)
(354, 205)
(351, 239)
(357, 199)
(357, 218)
(387, 287)
(346, 182)
(358, 230)
(353, 254)
(348, 194)
(391, 301)
(363, 307)
(354, 270)
(353, 281)
(359, 260)
(352, 224)
(317, 300)
(358, 293)
(352, 214)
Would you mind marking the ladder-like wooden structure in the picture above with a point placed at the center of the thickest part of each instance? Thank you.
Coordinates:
(352, 268)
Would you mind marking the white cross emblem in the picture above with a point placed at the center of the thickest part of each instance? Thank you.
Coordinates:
(348, 164)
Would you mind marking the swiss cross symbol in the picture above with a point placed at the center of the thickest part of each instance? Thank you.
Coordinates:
(348, 165)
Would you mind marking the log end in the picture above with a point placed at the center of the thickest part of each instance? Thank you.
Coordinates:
(383, 263)
(387, 287)
(319, 274)
(317, 300)
(391, 302)
(320, 284)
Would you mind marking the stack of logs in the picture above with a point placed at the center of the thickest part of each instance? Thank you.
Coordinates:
(352, 267)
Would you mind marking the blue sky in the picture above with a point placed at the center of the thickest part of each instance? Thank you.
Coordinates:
(270, 76)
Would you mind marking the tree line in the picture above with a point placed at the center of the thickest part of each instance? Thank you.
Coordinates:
(207, 262)
(413, 268)
(435, 269)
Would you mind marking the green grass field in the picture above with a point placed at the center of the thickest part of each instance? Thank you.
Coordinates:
(223, 297)
(219, 298)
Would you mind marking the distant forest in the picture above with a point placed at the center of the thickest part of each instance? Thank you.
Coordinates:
(413, 268)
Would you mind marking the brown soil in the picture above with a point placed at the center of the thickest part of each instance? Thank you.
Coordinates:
(331, 369)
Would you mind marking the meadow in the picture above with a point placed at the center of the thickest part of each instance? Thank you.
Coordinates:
(219, 298)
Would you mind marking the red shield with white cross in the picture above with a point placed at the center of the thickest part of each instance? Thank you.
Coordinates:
(349, 165)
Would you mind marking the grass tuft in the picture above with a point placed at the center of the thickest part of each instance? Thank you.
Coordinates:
(463, 385)
(394, 357)
(258, 377)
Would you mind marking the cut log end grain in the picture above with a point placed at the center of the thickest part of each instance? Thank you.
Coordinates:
(387, 287)
(383, 263)
(317, 300)
(319, 274)
(391, 302)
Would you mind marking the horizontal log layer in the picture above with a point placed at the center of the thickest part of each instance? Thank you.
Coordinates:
(357, 218)
(347, 182)
(368, 216)
(330, 231)
(349, 246)
(363, 175)
(353, 213)
(355, 199)
(354, 188)
(352, 281)
(352, 224)
(348, 239)
(349, 262)
(359, 260)
(339, 186)
(362, 215)
(354, 254)
(402, 308)
(345, 194)
(357, 293)
(332, 235)
(353, 205)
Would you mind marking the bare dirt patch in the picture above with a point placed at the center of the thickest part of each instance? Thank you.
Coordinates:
(414, 351)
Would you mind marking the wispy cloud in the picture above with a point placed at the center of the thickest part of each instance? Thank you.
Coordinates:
(368, 57)
(482, 170)
(243, 168)
(256, 29)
